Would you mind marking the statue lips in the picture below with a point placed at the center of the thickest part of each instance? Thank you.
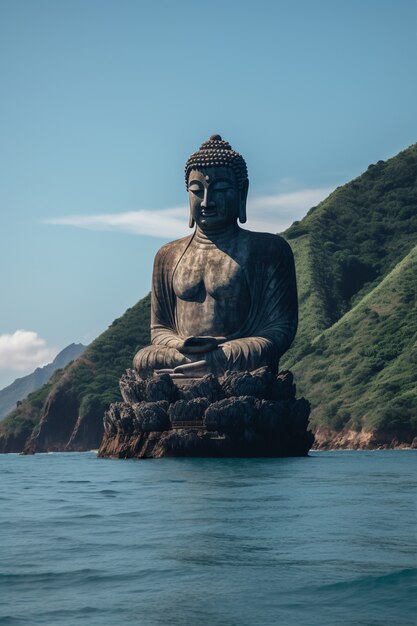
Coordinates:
(209, 213)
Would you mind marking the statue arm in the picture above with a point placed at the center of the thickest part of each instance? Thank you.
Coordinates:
(275, 321)
(163, 326)
(280, 315)
(246, 353)
(164, 336)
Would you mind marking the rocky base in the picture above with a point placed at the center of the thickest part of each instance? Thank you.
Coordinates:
(240, 414)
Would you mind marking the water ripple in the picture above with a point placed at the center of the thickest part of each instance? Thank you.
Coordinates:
(219, 542)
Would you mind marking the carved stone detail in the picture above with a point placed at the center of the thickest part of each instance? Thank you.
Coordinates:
(238, 414)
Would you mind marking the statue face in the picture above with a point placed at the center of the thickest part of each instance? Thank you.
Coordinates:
(214, 196)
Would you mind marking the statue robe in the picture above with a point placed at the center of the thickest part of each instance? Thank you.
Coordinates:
(270, 325)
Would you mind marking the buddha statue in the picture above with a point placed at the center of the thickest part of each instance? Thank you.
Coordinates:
(223, 298)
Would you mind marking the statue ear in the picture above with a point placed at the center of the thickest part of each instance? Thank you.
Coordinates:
(242, 202)
(191, 221)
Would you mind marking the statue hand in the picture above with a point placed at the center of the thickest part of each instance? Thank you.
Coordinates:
(197, 345)
(192, 370)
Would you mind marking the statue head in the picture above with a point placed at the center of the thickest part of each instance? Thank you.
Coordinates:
(216, 179)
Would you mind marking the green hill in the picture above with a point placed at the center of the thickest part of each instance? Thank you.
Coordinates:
(353, 248)
(22, 387)
(361, 373)
(350, 241)
(354, 355)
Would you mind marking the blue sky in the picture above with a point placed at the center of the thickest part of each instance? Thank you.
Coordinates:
(103, 101)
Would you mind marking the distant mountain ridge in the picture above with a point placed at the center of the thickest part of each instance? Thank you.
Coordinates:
(67, 412)
(354, 354)
(22, 387)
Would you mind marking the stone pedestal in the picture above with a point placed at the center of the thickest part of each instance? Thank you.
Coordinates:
(240, 414)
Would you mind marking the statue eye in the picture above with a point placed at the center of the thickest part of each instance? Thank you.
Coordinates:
(222, 185)
(195, 187)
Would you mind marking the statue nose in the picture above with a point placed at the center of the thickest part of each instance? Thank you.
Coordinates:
(207, 200)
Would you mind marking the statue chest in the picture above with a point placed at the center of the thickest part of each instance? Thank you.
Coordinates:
(209, 272)
(212, 294)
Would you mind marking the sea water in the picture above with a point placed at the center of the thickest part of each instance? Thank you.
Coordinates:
(327, 540)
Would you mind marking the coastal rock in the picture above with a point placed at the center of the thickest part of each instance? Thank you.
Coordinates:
(347, 439)
(151, 416)
(160, 388)
(231, 415)
(274, 417)
(247, 383)
(119, 418)
(132, 387)
(282, 387)
(203, 417)
(206, 387)
(188, 410)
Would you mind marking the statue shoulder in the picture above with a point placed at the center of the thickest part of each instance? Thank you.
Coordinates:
(172, 249)
(269, 243)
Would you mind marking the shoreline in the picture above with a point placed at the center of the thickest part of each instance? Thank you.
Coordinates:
(326, 439)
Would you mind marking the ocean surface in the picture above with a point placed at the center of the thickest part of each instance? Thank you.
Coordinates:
(324, 540)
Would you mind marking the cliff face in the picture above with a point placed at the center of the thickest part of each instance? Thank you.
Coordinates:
(346, 439)
(354, 355)
(22, 387)
(15, 440)
(58, 420)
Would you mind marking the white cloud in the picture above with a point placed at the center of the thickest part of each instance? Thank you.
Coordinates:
(273, 213)
(24, 350)
(159, 223)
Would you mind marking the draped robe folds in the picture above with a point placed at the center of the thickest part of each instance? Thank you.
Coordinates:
(268, 330)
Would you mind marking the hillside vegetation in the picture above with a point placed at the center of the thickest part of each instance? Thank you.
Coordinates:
(22, 387)
(67, 413)
(354, 356)
(350, 241)
(361, 373)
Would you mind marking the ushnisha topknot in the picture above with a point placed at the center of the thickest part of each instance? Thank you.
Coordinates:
(214, 153)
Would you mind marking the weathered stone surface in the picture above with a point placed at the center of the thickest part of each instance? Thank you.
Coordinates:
(300, 413)
(273, 417)
(326, 439)
(161, 388)
(182, 443)
(245, 425)
(231, 415)
(246, 383)
(206, 387)
(151, 416)
(282, 387)
(132, 387)
(188, 410)
(119, 418)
